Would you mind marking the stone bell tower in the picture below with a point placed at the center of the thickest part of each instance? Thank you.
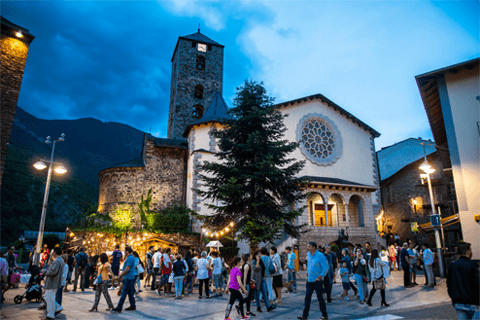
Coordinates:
(197, 74)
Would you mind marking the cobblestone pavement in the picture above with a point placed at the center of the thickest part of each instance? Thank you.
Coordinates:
(151, 306)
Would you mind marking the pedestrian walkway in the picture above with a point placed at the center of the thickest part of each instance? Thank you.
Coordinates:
(151, 306)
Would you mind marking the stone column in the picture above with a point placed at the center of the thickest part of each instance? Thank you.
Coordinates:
(326, 214)
(346, 213)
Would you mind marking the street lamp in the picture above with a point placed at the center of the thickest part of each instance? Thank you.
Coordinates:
(427, 168)
(40, 165)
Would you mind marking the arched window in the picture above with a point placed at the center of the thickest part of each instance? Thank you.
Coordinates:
(201, 63)
(198, 91)
(197, 111)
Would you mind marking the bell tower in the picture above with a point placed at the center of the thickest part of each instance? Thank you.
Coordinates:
(197, 74)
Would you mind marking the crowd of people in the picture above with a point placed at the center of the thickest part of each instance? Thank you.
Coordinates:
(250, 279)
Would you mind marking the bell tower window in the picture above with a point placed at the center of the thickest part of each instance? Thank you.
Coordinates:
(201, 63)
(197, 111)
(198, 91)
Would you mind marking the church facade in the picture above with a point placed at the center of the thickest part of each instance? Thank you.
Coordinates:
(338, 148)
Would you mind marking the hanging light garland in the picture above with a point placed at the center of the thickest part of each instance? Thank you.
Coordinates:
(217, 234)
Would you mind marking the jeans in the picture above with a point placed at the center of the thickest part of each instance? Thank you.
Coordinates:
(218, 281)
(178, 285)
(362, 287)
(154, 275)
(59, 295)
(269, 283)
(317, 286)
(327, 284)
(137, 280)
(128, 289)
(52, 305)
(292, 276)
(189, 284)
(467, 315)
(79, 272)
(263, 290)
(429, 274)
(406, 275)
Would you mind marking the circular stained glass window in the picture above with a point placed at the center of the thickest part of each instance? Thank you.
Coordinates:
(319, 139)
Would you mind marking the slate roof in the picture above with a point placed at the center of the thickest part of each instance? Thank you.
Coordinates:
(199, 37)
(162, 142)
(216, 112)
(399, 155)
(335, 107)
(334, 181)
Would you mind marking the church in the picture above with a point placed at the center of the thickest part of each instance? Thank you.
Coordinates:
(339, 149)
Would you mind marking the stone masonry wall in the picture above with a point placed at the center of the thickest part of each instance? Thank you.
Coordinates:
(13, 58)
(185, 76)
(164, 172)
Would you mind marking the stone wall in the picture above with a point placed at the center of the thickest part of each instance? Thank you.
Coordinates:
(164, 172)
(399, 190)
(14, 52)
(185, 76)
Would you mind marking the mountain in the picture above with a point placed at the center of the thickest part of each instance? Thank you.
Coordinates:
(90, 145)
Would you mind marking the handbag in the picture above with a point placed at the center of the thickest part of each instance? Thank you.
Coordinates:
(367, 277)
(98, 280)
(170, 278)
(379, 283)
(15, 278)
(140, 269)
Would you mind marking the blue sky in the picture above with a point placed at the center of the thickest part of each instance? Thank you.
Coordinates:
(111, 59)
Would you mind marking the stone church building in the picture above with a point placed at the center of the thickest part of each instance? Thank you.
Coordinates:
(339, 148)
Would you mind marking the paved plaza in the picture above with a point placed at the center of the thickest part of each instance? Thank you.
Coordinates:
(414, 303)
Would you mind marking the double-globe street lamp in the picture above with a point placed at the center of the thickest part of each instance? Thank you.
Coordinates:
(427, 168)
(60, 169)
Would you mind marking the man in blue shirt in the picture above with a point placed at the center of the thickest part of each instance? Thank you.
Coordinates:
(128, 278)
(317, 269)
(291, 266)
(116, 258)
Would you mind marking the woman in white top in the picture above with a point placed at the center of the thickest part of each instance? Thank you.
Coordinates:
(202, 274)
(376, 266)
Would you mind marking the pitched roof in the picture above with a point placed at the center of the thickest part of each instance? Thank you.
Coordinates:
(132, 163)
(162, 142)
(216, 112)
(201, 38)
(399, 155)
(9, 28)
(335, 107)
(198, 37)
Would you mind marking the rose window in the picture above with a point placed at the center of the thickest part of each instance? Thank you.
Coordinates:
(318, 139)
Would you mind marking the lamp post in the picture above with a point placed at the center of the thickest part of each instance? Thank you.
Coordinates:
(428, 170)
(40, 165)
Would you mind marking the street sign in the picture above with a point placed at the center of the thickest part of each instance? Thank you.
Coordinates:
(435, 220)
(414, 226)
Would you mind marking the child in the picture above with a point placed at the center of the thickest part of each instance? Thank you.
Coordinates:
(234, 285)
(345, 280)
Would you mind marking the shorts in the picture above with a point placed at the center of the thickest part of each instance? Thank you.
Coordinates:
(115, 270)
(413, 268)
(150, 271)
(218, 280)
(165, 278)
(277, 281)
(346, 285)
(69, 275)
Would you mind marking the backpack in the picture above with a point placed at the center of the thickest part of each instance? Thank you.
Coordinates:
(83, 261)
(271, 267)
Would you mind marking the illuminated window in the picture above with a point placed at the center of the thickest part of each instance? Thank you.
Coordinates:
(202, 47)
(201, 63)
(198, 91)
(197, 111)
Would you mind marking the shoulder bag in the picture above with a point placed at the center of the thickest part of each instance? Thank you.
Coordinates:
(379, 284)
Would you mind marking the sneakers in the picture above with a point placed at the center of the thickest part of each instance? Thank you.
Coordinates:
(346, 298)
(158, 292)
(302, 318)
(324, 318)
(259, 309)
(271, 308)
(245, 317)
(228, 318)
(131, 308)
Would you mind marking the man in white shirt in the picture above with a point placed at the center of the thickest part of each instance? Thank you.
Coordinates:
(156, 267)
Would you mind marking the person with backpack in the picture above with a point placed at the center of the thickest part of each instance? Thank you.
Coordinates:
(258, 277)
(190, 273)
(269, 272)
(149, 265)
(81, 259)
(116, 259)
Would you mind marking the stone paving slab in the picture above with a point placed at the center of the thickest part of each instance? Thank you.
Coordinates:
(151, 306)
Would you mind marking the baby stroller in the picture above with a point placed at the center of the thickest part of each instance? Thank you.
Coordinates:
(34, 288)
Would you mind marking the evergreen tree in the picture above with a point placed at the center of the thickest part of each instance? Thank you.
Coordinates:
(253, 183)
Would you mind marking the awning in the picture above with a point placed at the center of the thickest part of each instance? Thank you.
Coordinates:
(448, 221)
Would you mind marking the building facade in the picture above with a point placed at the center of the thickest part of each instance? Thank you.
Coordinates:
(451, 98)
(339, 149)
(14, 42)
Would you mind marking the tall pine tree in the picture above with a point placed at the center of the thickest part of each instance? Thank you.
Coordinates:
(254, 182)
